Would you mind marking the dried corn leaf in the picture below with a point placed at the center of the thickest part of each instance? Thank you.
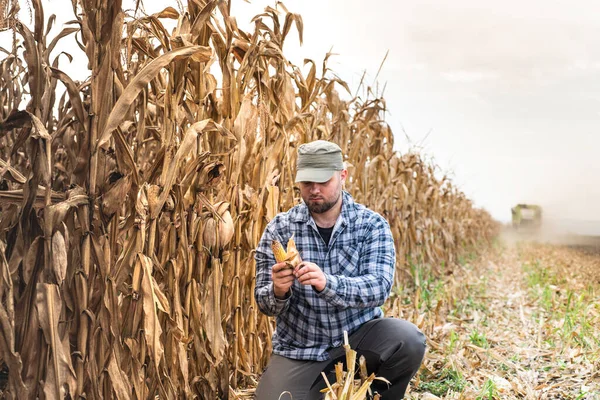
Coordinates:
(120, 381)
(139, 82)
(59, 256)
(211, 315)
(150, 301)
(61, 373)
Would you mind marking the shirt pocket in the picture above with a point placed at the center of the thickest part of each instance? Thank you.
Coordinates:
(346, 260)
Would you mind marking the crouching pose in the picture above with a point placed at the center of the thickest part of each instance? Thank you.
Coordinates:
(342, 274)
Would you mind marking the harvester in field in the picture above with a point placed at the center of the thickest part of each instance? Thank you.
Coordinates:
(526, 217)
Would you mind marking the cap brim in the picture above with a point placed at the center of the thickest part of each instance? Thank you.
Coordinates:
(314, 175)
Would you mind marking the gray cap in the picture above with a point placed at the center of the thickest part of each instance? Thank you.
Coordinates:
(317, 161)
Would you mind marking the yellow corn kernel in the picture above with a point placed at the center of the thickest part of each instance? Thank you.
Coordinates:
(278, 251)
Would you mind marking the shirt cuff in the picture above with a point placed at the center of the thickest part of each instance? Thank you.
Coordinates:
(331, 287)
(276, 303)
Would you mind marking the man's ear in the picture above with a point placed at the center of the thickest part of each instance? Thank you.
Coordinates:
(343, 175)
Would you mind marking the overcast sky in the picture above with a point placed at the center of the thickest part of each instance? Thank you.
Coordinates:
(503, 96)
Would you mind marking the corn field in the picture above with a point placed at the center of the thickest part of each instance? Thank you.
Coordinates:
(131, 202)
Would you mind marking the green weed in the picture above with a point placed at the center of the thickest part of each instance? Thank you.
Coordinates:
(448, 380)
(489, 391)
(478, 339)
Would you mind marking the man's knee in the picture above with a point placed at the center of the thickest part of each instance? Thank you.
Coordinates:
(409, 337)
(397, 338)
(396, 329)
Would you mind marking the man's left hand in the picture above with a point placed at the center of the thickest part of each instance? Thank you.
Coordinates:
(309, 273)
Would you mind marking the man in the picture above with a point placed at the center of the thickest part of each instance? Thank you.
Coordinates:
(347, 273)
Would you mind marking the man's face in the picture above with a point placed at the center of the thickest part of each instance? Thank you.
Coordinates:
(321, 197)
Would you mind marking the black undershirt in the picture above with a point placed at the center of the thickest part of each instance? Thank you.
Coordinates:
(325, 233)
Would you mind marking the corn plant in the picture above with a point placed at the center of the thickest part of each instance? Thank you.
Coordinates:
(131, 202)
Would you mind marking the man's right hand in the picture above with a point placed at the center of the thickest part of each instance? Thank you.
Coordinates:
(283, 279)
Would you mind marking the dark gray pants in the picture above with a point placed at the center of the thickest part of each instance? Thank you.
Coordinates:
(393, 349)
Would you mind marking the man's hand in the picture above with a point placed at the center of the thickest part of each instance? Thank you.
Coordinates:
(310, 274)
(283, 278)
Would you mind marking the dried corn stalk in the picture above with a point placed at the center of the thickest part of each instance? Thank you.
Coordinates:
(131, 203)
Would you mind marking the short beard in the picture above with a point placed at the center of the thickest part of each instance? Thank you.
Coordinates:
(323, 207)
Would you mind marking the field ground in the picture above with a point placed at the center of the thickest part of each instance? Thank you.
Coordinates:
(520, 322)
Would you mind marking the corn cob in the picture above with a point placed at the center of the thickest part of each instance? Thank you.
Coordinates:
(291, 257)
(278, 251)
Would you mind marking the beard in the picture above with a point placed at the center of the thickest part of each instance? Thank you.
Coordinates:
(326, 205)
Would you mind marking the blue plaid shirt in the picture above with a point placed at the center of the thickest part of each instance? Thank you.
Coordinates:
(358, 264)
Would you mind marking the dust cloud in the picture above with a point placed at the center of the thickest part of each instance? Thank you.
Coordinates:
(557, 232)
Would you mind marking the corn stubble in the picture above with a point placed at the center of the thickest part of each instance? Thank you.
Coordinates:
(131, 202)
(346, 385)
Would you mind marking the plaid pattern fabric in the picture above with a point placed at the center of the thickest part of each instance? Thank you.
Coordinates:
(359, 267)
